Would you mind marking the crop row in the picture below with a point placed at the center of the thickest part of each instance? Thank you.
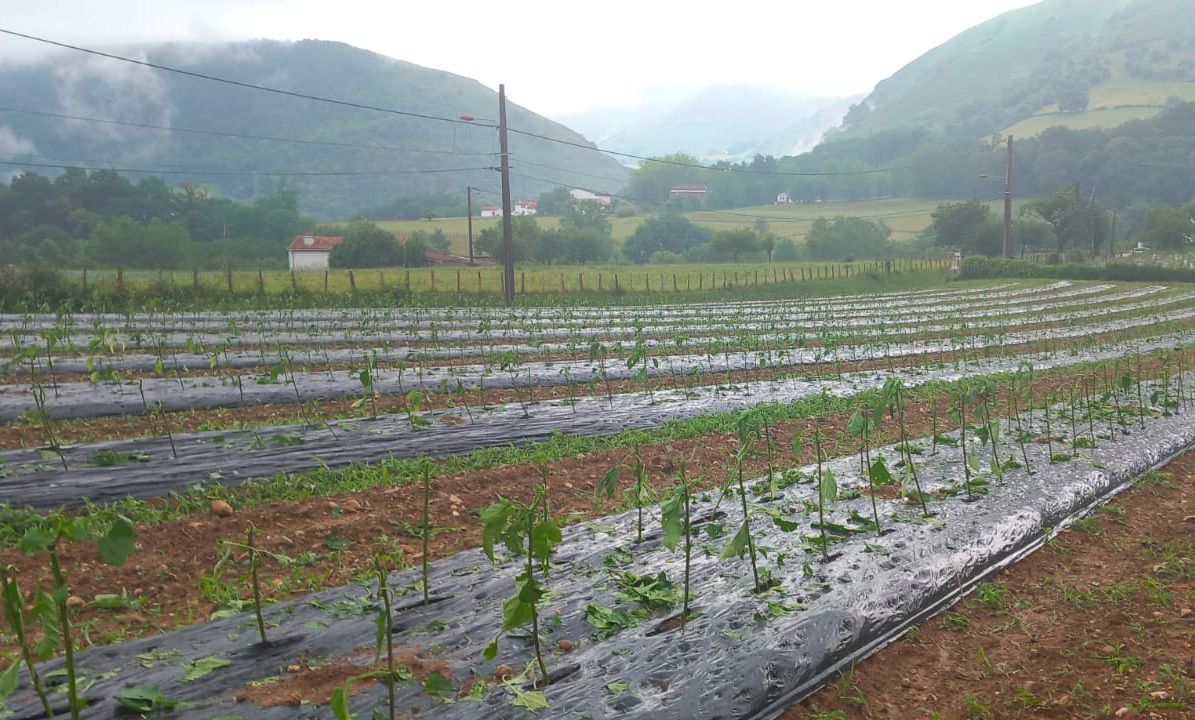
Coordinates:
(729, 603)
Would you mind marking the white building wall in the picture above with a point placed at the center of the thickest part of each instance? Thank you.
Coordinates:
(308, 261)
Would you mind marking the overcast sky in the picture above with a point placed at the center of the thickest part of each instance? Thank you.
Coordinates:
(557, 56)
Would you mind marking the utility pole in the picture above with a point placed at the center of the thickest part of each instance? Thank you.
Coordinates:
(1112, 237)
(508, 255)
(1008, 202)
(469, 213)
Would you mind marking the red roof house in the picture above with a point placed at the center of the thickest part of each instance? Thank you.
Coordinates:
(311, 252)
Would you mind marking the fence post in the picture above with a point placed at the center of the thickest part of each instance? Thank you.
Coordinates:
(700, 281)
(261, 284)
(615, 281)
(756, 276)
(325, 281)
(581, 281)
(119, 277)
(522, 282)
(561, 282)
(194, 278)
(599, 282)
(84, 278)
(433, 280)
(478, 282)
(382, 279)
(352, 282)
(458, 282)
(406, 280)
(228, 277)
(674, 288)
(294, 282)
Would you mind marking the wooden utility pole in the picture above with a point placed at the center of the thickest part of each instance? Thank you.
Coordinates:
(1112, 237)
(508, 255)
(1008, 202)
(469, 213)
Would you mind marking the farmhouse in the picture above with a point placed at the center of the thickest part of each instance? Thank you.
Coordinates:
(491, 211)
(311, 252)
(784, 199)
(689, 191)
(593, 196)
(525, 207)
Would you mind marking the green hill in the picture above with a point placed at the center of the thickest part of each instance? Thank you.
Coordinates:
(75, 84)
(1076, 63)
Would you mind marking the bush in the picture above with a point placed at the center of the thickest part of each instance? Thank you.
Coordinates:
(975, 268)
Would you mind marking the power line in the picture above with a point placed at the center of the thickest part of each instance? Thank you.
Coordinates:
(245, 136)
(239, 83)
(94, 167)
(471, 123)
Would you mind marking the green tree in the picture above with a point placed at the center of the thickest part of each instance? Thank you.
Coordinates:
(848, 237)
(670, 232)
(962, 226)
(439, 241)
(554, 202)
(1170, 228)
(366, 245)
(736, 243)
(414, 251)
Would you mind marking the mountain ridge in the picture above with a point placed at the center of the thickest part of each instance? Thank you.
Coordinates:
(97, 87)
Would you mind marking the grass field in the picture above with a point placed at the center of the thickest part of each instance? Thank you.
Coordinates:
(1113, 103)
(907, 217)
(556, 279)
(1101, 118)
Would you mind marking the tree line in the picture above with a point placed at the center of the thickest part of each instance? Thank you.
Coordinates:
(1139, 164)
(102, 218)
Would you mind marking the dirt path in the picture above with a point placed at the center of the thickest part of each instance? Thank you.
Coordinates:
(1098, 624)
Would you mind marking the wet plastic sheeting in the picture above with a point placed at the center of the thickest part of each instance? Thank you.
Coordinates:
(85, 399)
(781, 331)
(723, 664)
(230, 458)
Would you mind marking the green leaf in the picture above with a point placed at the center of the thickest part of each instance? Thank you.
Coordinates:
(36, 539)
(340, 703)
(143, 700)
(828, 488)
(533, 700)
(544, 537)
(857, 424)
(617, 688)
(117, 544)
(672, 518)
(203, 667)
(493, 520)
(9, 680)
(877, 549)
(608, 485)
(439, 687)
(879, 472)
(737, 545)
(491, 650)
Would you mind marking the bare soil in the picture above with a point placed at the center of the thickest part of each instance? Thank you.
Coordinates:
(1098, 624)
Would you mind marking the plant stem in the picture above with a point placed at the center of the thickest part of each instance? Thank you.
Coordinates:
(747, 524)
(427, 474)
(15, 612)
(253, 564)
(68, 642)
(821, 500)
(539, 656)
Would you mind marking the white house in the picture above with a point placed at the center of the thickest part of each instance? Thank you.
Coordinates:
(583, 195)
(491, 211)
(524, 207)
(783, 199)
(311, 252)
